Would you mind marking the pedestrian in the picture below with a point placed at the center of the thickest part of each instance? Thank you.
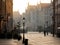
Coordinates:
(47, 32)
(44, 33)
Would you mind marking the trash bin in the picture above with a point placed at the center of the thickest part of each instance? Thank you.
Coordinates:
(26, 41)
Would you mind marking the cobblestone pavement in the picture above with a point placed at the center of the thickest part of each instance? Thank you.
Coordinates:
(40, 39)
(10, 42)
(33, 39)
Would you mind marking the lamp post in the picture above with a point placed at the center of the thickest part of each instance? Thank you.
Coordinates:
(23, 29)
(47, 26)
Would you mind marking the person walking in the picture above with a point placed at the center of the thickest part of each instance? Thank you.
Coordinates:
(44, 33)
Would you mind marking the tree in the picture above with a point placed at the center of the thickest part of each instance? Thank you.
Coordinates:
(18, 27)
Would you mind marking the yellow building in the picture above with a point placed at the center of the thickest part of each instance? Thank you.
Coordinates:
(9, 14)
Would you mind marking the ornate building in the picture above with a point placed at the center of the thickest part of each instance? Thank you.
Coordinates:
(38, 15)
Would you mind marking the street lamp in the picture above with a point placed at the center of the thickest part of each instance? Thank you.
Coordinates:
(23, 29)
(47, 26)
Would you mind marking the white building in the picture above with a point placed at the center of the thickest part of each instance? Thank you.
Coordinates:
(38, 15)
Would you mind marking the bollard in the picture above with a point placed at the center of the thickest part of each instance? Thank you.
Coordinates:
(26, 42)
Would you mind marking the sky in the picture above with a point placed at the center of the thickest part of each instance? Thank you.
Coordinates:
(21, 5)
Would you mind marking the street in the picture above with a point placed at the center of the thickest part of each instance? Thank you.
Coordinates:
(34, 38)
(10, 42)
(31, 20)
(39, 39)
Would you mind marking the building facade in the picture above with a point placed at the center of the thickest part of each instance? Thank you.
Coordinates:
(38, 15)
(57, 16)
(9, 13)
(6, 11)
(1, 14)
